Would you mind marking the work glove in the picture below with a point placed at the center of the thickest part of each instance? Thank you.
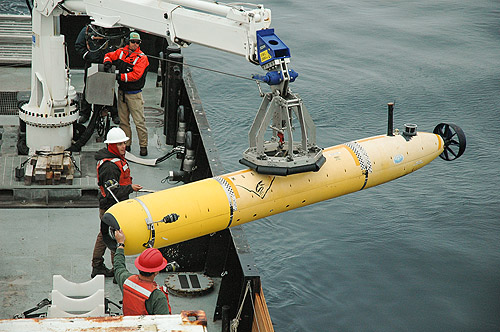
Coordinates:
(118, 76)
(107, 67)
(111, 184)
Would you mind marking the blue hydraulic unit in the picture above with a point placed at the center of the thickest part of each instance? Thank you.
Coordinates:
(270, 47)
(272, 51)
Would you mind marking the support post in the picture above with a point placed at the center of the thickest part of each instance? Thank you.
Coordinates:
(225, 318)
(166, 51)
(174, 84)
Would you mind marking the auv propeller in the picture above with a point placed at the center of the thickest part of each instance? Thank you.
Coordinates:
(454, 140)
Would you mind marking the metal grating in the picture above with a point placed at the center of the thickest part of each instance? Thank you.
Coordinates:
(189, 284)
(8, 103)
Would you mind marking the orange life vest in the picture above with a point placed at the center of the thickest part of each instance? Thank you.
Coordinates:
(125, 177)
(135, 294)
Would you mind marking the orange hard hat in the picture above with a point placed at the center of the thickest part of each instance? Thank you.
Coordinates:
(151, 260)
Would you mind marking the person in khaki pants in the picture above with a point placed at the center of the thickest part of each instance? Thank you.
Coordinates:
(132, 66)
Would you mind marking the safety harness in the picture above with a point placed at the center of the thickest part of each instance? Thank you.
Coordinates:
(125, 178)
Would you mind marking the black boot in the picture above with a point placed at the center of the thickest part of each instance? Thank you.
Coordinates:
(114, 113)
(116, 119)
(101, 269)
(85, 110)
(84, 117)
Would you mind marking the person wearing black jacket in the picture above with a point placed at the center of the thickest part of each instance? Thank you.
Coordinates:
(92, 45)
(111, 168)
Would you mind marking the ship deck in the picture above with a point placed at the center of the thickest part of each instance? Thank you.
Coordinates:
(56, 234)
(83, 191)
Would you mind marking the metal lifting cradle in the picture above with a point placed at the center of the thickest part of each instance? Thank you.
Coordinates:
(280, 154)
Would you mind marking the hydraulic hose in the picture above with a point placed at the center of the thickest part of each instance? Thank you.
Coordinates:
(84, 138)
(29, 4)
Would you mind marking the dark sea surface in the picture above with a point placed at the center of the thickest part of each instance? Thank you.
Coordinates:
(421, 253)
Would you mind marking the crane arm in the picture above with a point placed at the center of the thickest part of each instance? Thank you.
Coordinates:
(229, 28)
(233, 28)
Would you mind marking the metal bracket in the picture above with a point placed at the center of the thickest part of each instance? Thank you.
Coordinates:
(280, 155)
(169, 218)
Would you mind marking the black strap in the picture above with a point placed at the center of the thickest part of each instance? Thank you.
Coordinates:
(40, 305)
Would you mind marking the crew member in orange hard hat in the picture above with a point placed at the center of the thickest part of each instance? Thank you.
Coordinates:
(141, 294)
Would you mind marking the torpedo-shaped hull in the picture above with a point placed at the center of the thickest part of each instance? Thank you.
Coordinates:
(236, 198)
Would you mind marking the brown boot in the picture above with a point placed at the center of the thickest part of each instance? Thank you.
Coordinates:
(101, 269)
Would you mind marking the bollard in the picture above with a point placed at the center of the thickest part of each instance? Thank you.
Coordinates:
(225, 318)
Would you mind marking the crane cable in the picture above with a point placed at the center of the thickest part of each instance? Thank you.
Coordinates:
(204, 68)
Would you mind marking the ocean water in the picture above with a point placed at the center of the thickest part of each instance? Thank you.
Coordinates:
(421, 253)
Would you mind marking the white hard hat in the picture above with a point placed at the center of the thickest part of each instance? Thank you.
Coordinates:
(116, 135)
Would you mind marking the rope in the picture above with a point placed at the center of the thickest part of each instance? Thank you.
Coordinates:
(204, 68)
(236, 321)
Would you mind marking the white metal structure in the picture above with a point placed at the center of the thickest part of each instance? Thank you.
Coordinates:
(69, 288)
(64, 306)
(71, 299)
(54, 311)
(51, 110)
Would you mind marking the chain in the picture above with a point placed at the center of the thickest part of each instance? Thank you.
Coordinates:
(74, 164)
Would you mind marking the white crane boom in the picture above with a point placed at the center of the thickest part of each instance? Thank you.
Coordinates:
(52, 110)
(234, 28)
(228, 28)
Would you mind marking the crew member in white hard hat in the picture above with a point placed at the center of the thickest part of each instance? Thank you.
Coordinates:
(111, 166)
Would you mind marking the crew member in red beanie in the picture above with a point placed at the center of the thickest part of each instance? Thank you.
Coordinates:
(111, 168)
